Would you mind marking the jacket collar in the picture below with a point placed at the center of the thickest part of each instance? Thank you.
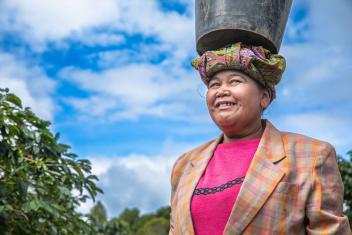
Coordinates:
(262, 176)
(261, 179)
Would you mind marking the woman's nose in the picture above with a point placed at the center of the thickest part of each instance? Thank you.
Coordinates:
(222, 91)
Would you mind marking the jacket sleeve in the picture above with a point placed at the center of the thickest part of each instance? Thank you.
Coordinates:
(325, 201)
(177, 170)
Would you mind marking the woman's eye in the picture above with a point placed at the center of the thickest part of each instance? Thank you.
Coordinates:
(235, 81)
(214, 84)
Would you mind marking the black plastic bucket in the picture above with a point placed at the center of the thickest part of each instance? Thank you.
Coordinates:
(254, 22)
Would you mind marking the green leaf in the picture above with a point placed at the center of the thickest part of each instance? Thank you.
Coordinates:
(92, 177)
(61, 148)
(14, 100)
(57, 136)
(31, 205)
(6, 208)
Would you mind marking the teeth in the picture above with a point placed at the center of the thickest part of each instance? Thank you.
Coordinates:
(225, 104)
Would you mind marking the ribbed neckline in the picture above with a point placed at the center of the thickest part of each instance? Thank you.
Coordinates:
(239, 143)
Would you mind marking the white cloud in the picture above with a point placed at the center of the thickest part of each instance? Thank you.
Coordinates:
(150, 20)
(136, 180)
(98, 38)
(162, 88)
(139, 54)
(29, 83)
(134, 90)
(95, 106)
(51, 19)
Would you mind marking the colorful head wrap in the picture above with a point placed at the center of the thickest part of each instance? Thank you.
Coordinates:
(256, 62)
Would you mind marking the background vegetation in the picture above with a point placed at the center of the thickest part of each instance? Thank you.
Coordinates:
(41, 182)
(345, 166)
(130, 222)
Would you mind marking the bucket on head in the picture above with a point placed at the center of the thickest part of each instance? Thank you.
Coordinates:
(253, 22)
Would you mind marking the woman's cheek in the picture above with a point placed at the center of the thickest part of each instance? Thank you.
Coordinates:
(210, 99)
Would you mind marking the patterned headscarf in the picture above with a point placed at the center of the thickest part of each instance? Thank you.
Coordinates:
(256, 62)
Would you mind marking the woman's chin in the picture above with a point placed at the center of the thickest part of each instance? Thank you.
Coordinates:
(225, 122)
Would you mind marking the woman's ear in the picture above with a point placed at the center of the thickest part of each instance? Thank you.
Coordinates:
(265, 100)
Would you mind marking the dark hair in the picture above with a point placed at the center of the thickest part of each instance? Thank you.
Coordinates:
(263, 88)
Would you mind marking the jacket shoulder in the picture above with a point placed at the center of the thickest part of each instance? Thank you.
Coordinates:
(296, 138)
(181, 162)
(303, 144)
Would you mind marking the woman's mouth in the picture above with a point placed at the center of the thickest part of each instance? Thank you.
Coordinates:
(224, 104)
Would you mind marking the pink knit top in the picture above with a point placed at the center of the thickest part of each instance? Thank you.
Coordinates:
(217, 189)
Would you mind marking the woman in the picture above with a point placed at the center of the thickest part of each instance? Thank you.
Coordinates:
(253, 179)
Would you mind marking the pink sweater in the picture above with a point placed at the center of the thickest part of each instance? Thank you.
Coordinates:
(217, 190)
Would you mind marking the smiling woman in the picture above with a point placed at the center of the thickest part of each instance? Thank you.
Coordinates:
(235, 101)
(253, 179)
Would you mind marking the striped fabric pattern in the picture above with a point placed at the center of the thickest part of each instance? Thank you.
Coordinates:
(293, 186)
(256, 62)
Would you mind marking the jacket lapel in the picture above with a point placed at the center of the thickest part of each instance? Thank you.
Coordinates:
(197, 164)
(261, 179)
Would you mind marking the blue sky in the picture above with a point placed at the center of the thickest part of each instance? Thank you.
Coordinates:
(114, 78)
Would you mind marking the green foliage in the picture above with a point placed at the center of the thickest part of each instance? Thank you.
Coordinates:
(345, 167)
(98, 218)
(117, 226)
(130, 216)
(101, 225)
(154, 226)
(164, 212)
(141, 221)
(41, 182)
(130, 222)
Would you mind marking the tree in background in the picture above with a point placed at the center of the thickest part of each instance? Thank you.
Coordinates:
(98, 218)
(157, 225)
(130, 222)
(131, 217)
(152, 223)
(345, 166)
(117, 226)
(101, 226)
(41, 182)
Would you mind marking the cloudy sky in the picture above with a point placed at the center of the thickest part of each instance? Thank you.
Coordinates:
(114, 78)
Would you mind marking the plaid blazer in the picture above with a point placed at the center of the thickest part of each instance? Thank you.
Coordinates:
(293, 186)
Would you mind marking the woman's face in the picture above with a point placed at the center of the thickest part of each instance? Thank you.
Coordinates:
(235, 101)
